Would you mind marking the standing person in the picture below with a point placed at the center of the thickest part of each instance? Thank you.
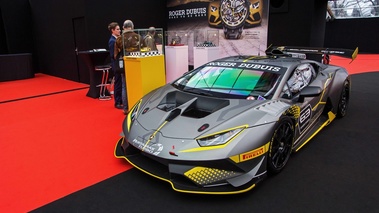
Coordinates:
(128, 42)
(114, 28)
(150, 40)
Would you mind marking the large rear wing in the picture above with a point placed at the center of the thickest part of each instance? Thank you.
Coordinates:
(303, 51)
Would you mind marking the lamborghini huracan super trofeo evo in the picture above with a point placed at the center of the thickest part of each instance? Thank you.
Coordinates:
(221, 128)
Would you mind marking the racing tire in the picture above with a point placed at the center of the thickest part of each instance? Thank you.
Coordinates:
(280, 146)
(344, 100)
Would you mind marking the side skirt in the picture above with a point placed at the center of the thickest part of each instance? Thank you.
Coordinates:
(321, 123)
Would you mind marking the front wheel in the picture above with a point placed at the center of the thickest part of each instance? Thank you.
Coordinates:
(280, 145)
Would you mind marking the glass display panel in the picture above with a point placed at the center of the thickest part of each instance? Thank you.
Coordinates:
(206, 38)
(143, 42)
(176, 38)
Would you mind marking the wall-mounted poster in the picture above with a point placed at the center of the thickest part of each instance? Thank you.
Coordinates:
(241, 25)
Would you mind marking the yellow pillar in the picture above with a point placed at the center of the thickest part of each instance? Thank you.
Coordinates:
(143, 74)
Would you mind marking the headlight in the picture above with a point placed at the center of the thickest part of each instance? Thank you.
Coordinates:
(219, 138)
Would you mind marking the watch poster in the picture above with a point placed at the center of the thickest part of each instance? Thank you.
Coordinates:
(237, 27)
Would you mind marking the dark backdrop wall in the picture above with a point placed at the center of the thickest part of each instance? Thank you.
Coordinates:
(54, 36)
(351, 33)
(16, 41)
(297, 22)
(15, 27)
(143, 13)
(61, 28)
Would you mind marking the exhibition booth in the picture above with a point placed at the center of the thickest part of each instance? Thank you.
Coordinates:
(147, 68)
(55, 73)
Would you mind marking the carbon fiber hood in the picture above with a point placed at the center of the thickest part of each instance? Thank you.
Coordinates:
(189, 115)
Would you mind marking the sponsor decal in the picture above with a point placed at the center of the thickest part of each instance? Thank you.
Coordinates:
(251, 154)
(254, 66)
(254, 153)
(187, 13)
(222, 64)
(153, 148)
(260, 67)
(305, 117)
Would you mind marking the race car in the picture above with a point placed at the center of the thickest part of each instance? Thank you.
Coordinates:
(223, 127)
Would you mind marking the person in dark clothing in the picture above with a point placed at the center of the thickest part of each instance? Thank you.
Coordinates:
(150, 40)
(114, 28)
(128, 42)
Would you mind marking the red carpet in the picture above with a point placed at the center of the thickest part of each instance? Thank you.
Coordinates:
(41, 84)
(363, 63)
(54, 145)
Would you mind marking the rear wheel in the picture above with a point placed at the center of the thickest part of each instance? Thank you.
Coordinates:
(344, 100)
(280, 145)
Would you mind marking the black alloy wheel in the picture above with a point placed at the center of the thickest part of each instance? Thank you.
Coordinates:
(280, 146)
(344, 100)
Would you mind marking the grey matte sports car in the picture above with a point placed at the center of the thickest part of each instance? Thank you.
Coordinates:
(221, 128)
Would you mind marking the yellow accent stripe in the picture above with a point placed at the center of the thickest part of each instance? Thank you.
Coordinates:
(250, 58)
(235, 158)
(129, 119)
(331, 116)
(172, 185)
(153, 135)
(322, 95)
(226, 130)
(115, 148)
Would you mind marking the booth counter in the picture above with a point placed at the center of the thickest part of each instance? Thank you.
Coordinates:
(143, 74)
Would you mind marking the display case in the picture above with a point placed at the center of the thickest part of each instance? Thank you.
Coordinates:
(206, 38)
(176, 38)
(143, 42)
(206, 47)
(176, 54)
(143, 58)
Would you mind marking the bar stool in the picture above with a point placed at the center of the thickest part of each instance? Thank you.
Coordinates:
(105, 69)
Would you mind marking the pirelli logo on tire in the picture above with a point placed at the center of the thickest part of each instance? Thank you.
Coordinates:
(305, 117)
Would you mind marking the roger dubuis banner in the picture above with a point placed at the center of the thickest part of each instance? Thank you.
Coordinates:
(240, 25)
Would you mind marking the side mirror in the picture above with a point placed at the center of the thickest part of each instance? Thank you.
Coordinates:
(311, 91)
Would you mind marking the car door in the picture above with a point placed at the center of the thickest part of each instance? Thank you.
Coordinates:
(312, 106)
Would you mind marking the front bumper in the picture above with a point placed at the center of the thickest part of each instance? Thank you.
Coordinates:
(206, 177)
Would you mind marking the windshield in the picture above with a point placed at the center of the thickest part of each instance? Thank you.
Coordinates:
(228, 82)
